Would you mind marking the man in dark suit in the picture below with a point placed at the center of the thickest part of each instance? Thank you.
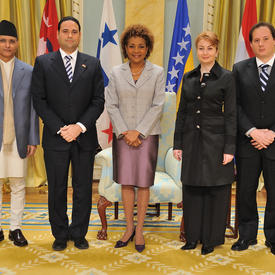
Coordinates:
(255, 84)
(19, 128)
(68, 94)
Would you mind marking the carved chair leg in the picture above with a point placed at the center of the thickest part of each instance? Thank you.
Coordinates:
(170, 207)
(233, 229)
(182, 233)
(102, 204)
(116, 210)
(236, 223)
(158, 209)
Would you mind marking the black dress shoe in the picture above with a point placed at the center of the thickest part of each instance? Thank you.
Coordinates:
(271, 246)
(81, 243)
(189, 246)
(17, 237)
(59, 245)
(243, 244)
(1, 235)
(206, 250)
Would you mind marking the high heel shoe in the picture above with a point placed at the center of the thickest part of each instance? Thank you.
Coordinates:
(139, 247)
(120, 243)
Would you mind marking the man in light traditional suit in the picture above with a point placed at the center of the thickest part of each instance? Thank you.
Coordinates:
(68, 94)
(19, 129)
(255, 84)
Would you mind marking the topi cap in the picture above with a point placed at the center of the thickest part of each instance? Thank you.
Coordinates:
(7, 28)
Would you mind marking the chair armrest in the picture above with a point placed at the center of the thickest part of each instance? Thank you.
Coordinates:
(173, 167)
(105, 160)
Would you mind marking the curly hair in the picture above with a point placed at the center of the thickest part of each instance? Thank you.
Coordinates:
(137, 30)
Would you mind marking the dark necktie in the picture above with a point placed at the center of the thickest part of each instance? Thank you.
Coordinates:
(264, 76)
(68, 67)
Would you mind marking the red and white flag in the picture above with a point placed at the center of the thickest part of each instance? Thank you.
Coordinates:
(48, 29)
(244, 50)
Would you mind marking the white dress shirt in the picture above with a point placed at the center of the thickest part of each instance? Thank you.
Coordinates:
(73, 62)
(268, 70)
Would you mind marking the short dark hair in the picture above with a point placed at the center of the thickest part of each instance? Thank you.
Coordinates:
(261, 24)
(137, 30)
(69, 18)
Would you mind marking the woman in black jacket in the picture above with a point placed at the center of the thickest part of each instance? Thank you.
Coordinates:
(205, 141)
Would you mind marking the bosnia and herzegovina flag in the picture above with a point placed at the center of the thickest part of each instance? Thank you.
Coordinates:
(181, 57)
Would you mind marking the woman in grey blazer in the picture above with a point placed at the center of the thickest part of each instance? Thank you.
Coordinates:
(134, 101)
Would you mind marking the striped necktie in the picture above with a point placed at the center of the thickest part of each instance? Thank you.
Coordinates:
(264, 76)
(68, 67)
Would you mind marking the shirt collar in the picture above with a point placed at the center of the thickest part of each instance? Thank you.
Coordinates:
(73, 55)
(9, 62)
(260, 62)
(215, 70)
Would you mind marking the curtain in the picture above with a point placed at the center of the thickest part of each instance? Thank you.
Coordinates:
(227, 23)
(26, 15)
(151, 14)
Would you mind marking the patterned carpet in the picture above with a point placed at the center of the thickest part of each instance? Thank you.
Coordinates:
(161, 256)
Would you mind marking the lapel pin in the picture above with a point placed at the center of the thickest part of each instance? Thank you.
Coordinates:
(84, 66)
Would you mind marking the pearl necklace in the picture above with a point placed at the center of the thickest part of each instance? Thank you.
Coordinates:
(139, 72)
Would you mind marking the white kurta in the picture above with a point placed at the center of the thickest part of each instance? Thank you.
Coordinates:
(11, 165)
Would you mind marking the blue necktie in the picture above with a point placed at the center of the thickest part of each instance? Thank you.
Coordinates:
(68, 67)
(264, 76)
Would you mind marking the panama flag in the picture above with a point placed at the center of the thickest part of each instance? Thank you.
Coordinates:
(108, 52)
(244, 50)
(181, 57)
(48, 29)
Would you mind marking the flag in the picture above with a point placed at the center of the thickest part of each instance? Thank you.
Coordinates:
(181, 57)
(108, 52)
(48, 29)
(244, 50)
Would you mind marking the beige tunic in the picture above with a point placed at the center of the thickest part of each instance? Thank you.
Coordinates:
(11, 165)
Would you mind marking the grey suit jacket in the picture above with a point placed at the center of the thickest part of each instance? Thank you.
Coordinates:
(136, 106)
(25, 118)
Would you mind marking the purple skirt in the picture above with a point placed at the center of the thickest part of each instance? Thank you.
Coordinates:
(135, 166)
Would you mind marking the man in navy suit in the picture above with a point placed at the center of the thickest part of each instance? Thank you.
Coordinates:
(68, 94)
(255, 84)
(19, 128)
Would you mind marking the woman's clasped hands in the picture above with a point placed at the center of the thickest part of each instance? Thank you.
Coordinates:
(131, 137)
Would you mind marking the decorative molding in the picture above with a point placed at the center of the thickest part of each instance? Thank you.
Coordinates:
(77, 12)
(208, 15)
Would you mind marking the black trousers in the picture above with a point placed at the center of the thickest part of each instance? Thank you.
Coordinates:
(57, 167)
(248, 173)
(205, 212)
